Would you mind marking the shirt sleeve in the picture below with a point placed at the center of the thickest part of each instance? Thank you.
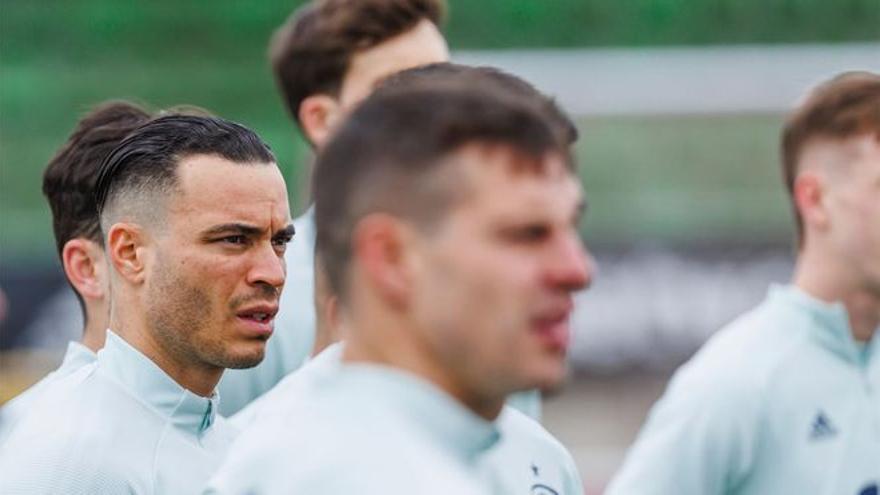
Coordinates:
(698, 439)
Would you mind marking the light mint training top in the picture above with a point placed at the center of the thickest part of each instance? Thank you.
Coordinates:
(529, 460)
(783, 400)
(358, 428)
(525, 460)
(77, 356)
(119, 425)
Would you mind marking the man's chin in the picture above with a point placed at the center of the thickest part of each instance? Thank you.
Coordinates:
(548, 379)
(243, 360)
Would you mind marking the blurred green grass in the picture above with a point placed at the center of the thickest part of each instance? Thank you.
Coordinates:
(683, 179)
(173, 28)
(669, 178)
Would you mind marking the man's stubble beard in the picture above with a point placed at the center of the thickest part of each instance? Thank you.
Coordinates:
(180, 317)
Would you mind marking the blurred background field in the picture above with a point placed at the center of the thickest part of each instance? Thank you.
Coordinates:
(61, 57)
(688, 216)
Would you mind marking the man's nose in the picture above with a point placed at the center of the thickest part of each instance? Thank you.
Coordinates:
(573, 266)
(268, 268)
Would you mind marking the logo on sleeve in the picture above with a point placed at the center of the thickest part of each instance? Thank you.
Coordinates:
(822, 427)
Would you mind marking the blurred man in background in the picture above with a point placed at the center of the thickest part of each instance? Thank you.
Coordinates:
(446, 215)
(784, 400)
(68, 184)
(195, 221)
(326, 58)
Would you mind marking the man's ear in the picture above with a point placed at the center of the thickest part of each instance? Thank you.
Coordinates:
(84, 265)
(125, 243)
(318, 116)
(810, 198)
(379, 247)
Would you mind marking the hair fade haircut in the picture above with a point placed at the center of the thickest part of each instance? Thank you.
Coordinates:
(146, 161)
(844, 107)
(69, 179)
(311, 52)
(388, 157)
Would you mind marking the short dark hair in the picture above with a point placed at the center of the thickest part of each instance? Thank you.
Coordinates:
(383, 155)
(487, 77)
(146, 161)
(69, 179)
(310, 53)
(844, 107)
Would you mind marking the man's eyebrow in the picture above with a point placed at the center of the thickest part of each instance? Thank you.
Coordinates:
(233, 228)
(288, 231)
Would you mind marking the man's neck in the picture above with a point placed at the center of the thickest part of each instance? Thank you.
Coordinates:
(96, 318)
(94, 335)
(820, 281)
(864, 315)
(418, 361)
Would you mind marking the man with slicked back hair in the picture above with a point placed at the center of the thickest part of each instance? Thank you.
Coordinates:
(194, 216)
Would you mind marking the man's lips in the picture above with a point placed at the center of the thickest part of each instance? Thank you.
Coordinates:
(552, 327)
(258, 318)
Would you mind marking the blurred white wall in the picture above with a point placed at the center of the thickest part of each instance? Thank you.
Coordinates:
(749, 78)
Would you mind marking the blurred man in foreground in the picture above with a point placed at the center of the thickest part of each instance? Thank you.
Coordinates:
(784, 400)
(526, 455)
(195, 220)
(68, 184)
(446, 215)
